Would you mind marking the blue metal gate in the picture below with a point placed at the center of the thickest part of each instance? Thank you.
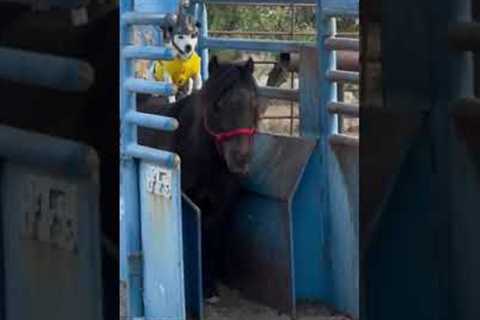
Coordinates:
(152, 245)
(298, 222)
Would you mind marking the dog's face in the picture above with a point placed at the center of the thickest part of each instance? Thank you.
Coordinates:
(184, 37)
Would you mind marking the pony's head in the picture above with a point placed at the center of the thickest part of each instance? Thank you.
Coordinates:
(231, 111)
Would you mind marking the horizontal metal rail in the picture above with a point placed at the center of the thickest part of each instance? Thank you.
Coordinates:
(142, 18)
(253, 45)
(346, 44)
(347, 109)
(340, 10)
(277, 93)
(47, 152)
(465, 36)
(343, 76)
(151, 121)
(148, 53)
(259, 33)
(27, 67)
(275, 33)
(148, 86)
(279, 118)
(301, 3)
(348, 60)
(344, 139)
(163, 158)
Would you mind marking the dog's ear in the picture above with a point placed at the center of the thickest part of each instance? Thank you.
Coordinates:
(198, 25)
(213, 65)
(250, 65)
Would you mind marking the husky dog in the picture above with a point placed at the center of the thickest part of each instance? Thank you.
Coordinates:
(184, 70)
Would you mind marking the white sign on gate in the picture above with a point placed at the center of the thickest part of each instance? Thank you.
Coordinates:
(159, 182)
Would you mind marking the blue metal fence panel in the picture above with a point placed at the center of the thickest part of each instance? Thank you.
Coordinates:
(261, 248)
(50, 226)
(314, 279)
(129, 203)
(163, 281)
(344, 221)
(418, 253)
(152, 258)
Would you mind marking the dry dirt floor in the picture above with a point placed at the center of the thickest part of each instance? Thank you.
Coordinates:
(233, 307)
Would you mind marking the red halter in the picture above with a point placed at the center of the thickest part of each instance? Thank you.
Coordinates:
(227, 135)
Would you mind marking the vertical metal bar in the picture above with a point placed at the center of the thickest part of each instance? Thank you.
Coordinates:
(292, 82)
(203, 36)
(341, 97)
(129, 209)
(326, 27)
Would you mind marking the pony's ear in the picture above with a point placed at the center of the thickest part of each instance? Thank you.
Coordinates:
(250, 65)
(213, 65)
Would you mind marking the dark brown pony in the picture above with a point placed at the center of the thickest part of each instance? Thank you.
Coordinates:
(214, 141)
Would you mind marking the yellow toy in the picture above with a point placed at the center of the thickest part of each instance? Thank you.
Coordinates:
(184, 70)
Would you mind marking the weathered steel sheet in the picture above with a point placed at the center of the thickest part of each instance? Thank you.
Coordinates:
(260, 247)
(50, 228)
(162, 243)
(192, 259)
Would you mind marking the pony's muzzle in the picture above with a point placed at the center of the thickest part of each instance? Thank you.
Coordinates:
(241, 164)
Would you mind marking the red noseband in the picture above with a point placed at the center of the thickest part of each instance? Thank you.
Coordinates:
(227, 135)
(221, 137)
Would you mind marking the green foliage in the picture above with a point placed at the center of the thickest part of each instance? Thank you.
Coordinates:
(266, 18)
(248, 18)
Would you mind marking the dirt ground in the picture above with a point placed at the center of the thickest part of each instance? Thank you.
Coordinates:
(233, 307)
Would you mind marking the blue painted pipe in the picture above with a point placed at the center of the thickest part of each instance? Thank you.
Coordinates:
(45, 70)
(163, 158)
(148, 86)
(138, 18)
(156, 6)
(151, 121)
(343, 76)
(43, 151)
(148, 52)
(203, 16)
